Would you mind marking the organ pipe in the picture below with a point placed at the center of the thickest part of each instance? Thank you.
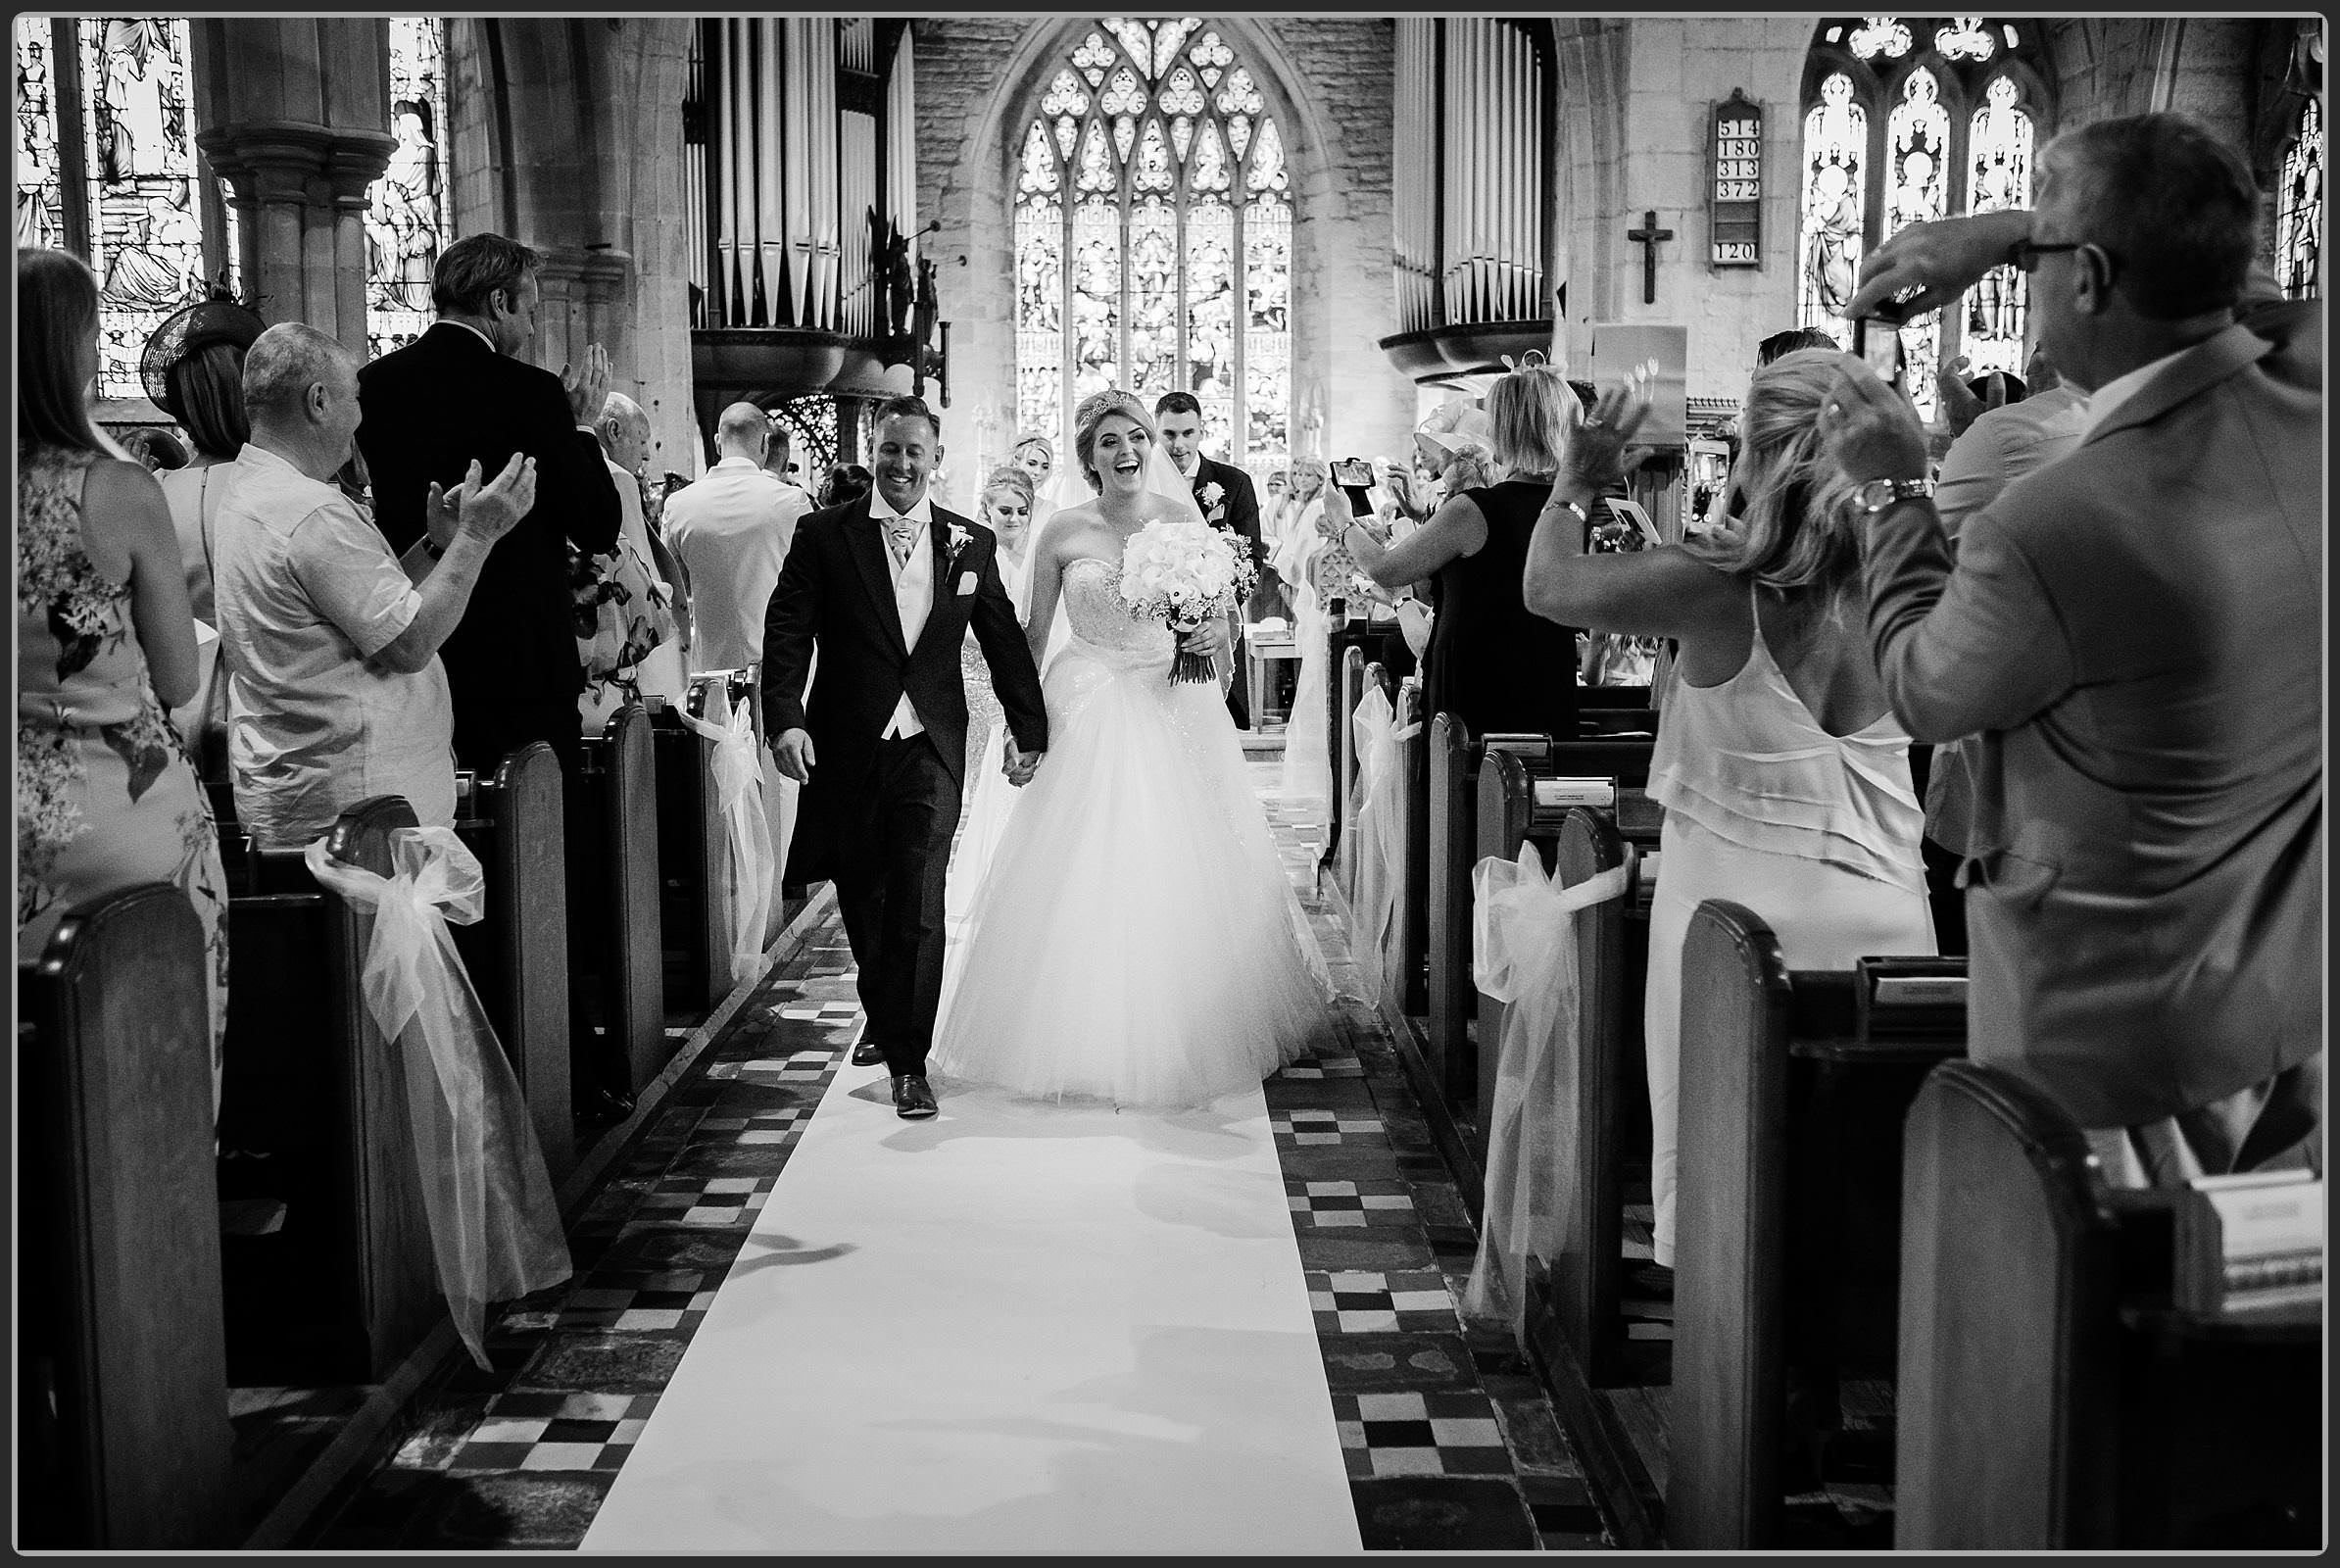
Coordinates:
(1490, 159)
(783, 289)
(858, 177)
(901, 142)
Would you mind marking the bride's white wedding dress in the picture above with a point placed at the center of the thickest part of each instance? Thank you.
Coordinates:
(1135, 936)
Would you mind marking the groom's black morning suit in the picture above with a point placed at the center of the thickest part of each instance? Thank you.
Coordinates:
(877, 815)
(1236, 509)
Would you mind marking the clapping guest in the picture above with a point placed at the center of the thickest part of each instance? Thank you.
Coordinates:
(1491, 664)
(330, 641)
(1784, 775)
(633, 648)
(463, 392)
(105, 646)
(200, 383)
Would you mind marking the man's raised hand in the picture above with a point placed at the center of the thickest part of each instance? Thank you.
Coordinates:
(587, 392)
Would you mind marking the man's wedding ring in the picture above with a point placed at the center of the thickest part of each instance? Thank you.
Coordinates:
(1593, 424)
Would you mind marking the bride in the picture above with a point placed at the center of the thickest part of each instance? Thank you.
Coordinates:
(1134, 937)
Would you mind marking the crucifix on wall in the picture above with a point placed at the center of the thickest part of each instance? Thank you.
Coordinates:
(1647, 237)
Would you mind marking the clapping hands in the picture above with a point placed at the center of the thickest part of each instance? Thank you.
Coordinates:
(587, 392)
(486, 511)
(1020, 766)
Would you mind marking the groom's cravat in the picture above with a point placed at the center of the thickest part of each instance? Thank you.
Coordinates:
(901, 533)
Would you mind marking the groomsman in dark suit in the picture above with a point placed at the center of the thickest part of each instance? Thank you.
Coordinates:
(463, 391)
(1228, 501)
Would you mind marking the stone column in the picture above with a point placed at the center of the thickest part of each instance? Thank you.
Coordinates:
(293, 113)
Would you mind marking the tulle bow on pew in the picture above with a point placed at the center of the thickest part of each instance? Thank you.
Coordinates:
(1380, 828)
(747, 830)
(495, 1229)
(1524, 955)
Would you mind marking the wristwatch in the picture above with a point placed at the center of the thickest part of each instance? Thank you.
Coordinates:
(1879, 494)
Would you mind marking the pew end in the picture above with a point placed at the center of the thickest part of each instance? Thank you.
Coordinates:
(348, 1286)
(2052, 1398)
(122, 1375)
(620, 779)
(1787, 1219)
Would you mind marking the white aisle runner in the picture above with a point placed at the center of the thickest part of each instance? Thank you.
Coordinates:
(1014, 1328)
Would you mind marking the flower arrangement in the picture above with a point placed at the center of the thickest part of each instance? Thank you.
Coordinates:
(1183, 573)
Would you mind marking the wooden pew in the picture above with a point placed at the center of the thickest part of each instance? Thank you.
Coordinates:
(1450, 1061)
(123, 1376)
(348, 1286)
(694, 916)
(1354, 676)
(518, 955)
(2050, 1397)
(1787, 1213)
(1416, 908)
(621, 785)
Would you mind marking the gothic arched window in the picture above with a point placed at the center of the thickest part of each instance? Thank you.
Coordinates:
(405, 212)
(1907, 120)
(107, 168)
(2298, 214)
(1154, 236)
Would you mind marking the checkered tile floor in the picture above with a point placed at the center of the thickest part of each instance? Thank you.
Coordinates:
(1449, 1443)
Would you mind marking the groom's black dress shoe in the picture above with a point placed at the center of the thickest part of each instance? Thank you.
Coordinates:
(868, 1054)
(912, 1098)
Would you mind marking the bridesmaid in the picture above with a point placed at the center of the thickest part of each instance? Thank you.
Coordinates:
(106, 796)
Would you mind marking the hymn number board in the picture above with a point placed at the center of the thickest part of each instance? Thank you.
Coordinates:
(1734, 195)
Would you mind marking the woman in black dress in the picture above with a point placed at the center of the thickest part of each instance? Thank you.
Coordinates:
(1490, 663)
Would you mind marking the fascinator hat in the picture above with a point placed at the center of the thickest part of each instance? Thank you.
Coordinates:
(197, 328)
(1452, 426)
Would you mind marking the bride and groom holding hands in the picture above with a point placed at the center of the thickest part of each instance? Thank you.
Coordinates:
(1135, 938)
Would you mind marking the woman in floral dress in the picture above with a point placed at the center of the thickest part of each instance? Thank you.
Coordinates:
(106, 797)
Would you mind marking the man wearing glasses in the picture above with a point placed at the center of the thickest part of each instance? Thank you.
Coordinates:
(2133, 634)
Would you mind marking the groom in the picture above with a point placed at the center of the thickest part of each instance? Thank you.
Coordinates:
(886, 587)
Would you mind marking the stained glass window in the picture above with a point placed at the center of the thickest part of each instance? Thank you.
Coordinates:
(1909, 120)
(405, 219)
(40, 179)
(1916, 191)
(146, 231)
(1835, 188)
(1998, 179)
(2299, 216)
(1154, 236)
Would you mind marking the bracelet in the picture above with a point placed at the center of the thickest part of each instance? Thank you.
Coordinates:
(433, 548)
(1583, 516)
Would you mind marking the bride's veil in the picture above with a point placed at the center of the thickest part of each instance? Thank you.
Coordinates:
(1169, 486)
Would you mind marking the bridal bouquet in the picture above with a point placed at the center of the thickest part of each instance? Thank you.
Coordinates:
(1183, 573)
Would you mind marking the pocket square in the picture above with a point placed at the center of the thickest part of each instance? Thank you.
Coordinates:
(966, 582)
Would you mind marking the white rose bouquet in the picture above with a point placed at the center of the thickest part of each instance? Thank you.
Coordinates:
(1183, 572)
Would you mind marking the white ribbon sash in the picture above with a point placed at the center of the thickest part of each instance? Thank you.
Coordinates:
(1524, 955)
(1375, 939)
(747, 830)
(495, 1230)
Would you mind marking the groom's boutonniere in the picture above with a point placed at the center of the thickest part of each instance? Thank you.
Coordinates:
(956, 541)
(1213, 493)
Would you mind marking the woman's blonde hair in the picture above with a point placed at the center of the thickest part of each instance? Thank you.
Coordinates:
(1469, 467)
(1007, 477)
(1093, 411)
(1797, 530)
(1033, 438)
(1531, 413)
